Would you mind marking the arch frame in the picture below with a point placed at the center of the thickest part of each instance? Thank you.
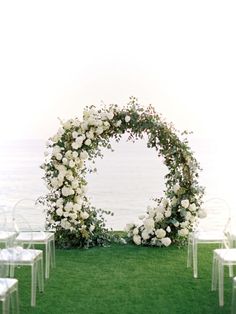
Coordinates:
(68, 210)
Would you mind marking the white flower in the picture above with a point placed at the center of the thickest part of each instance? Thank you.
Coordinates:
(84, 215)
(71, 163)
(59, 202)
(99, 130)
(91, 228)
(65, 224)
(68, 206)
(74, 184)
(160, 233)
(110, 115)
(106, 124)
(83, 155)
(137, 239)
(74, 134)
(77, 207)
(185, 203)
(127, 119)
(168, 213)
(76, 145)
(135, 231)
(174, 201)
(89, 135)
(58, 156)
(145, 234)
(159, 216)
(192, 207)
(176, 188)
(65, 161)
(118, 123)
(75, 154)
(59, 212)
(183, 232)
(166, 241)
(168, 229)
(88, 142)
(148, 223)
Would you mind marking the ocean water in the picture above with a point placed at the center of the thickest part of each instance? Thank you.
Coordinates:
(125, 183)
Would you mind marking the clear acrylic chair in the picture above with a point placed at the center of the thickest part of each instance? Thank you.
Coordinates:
(208, 230)
(8, 292)
(222, 257)
(7, 237)
(15, 256)
(36, 234)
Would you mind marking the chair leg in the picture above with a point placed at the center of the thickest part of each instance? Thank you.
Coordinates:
(221, 283)
(40, 274)
(53, 254)
(47, 259)
(214, 272)
(190, 250)
(33, 283)
(195, 264)
(233, 303)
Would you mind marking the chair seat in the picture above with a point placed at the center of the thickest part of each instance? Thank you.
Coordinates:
(211, 236)
(18, 254)
(226, 255)
(4, 235)
(34, 236)
(6, 284)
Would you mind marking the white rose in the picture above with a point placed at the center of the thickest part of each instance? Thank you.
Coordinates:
(99, 130)
(65, 161)
(84, 215)
(160, 233)
(59, 212)
(166, 241)
(127, 119)
(77, 207)
(88, 142)
(91, 228)
(176, 188)
(110, 115)
(59, 202)
(185, 203)
(84, 155)
(168, 213)
(148, 223)
(168, 229)
(89, 135)
(74, 134)
(137, 239)
(183, 232)
(145, 234)
(64, 191)
(75, 154)
(118, 123)
(192, 207)
(58, 156)
(135, 231)
(65, 224)
(74, 184)
(73, 216)
(159, 216)
(75, 145)
(68, 206)
(106, 124)
(71, 164)
(174, 201)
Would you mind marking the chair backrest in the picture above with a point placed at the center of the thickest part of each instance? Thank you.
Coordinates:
(217, 214)
(32, 212)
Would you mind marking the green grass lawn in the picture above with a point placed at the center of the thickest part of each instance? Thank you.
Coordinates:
(125, 279)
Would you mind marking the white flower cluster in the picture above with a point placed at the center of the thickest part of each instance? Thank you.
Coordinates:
(69, 150)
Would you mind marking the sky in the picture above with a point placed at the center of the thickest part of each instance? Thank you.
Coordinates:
(56, 57)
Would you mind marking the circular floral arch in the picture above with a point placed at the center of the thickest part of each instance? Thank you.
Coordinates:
(69, 212)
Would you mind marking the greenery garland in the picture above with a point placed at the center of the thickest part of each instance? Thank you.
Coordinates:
(69, 212)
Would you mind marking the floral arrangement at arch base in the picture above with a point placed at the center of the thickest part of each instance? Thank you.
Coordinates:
(69, 212)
